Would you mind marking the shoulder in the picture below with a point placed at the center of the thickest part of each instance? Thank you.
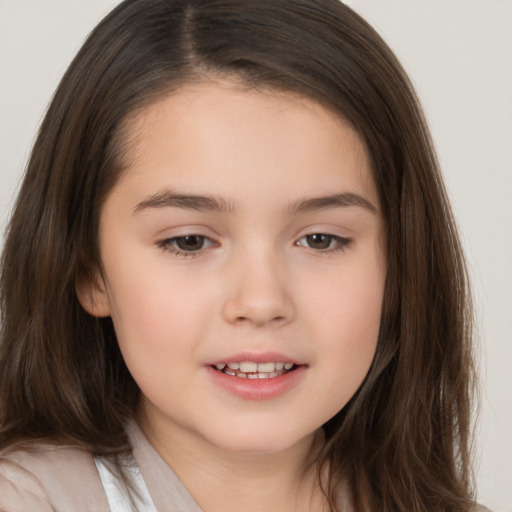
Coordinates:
(49, 477)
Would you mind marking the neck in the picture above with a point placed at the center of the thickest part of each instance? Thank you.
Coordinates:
(229, 481)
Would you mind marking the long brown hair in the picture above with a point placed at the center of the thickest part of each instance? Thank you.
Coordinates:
(402, 443)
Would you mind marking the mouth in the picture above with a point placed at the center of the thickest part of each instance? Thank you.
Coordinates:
(252, 370)
(257, 376)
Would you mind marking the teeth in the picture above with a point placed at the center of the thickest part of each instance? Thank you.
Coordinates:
(266, 367)
(249, 370)
(247, 367)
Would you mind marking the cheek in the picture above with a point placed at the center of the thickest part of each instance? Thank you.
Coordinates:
(351, 312)
(348, 303)
(158, 318)
(156, 335)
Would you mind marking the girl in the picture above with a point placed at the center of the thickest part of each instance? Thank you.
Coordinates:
(232, 280)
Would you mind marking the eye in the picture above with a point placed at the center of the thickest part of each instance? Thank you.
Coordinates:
(323, 242)
(188, 245)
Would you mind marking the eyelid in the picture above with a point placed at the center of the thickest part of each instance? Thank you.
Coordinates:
(342, 243)
(167, 245)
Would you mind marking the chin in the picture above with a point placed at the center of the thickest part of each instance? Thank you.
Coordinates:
(259, 441)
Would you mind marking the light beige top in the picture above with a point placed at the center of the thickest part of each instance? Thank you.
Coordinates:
(53, 478)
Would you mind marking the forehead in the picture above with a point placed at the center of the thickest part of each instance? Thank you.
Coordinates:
(219, 133)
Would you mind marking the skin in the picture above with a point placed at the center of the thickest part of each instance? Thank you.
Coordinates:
(256, 284)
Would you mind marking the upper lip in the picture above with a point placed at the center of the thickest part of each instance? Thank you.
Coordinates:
(256, 357)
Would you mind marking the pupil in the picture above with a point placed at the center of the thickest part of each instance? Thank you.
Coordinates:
(190, 243)
(319, 241)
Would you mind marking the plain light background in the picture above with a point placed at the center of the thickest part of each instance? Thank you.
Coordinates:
(459, 56)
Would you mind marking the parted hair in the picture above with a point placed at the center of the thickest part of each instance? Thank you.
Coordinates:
(403, 441)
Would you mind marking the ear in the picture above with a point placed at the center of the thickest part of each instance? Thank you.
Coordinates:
(92, 294)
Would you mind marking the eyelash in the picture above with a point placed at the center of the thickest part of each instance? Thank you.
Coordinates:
(169, 244)
(340, 243)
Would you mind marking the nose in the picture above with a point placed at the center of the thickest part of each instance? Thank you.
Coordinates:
(259, 294)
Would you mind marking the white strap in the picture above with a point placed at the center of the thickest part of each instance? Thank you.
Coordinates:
(120, 499)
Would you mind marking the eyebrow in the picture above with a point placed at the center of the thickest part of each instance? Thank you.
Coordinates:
(171, 199)
(309, 204)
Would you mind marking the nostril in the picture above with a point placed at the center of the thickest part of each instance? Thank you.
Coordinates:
(255, 320)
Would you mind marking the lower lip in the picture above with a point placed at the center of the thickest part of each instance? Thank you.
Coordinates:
(257, 389)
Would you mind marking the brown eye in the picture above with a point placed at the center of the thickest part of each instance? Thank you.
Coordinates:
(190, 243)
(186, 246)
(323, 243)
(319, 241)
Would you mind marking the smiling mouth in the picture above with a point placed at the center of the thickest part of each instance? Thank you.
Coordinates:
(250, 370)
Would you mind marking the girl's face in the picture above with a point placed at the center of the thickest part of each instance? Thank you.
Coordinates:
(244, 238)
